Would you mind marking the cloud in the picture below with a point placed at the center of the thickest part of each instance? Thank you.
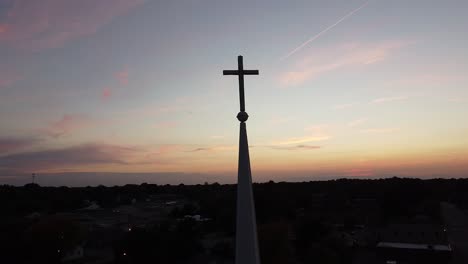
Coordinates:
(68, 124)
(165, 149)
(106, 93)
(300, 140)
(180, 104)
(359, 172)
(122, 76)
(389, 99)
(122, 79)
(7, 80)
(10, 144)
(87, 154)
(357, 122)
(4, 82)
(216, 148)
(338, 57)
(314, 133)
(200, 149)
(165, 125)
(3, 28)
(45, 24)
(159, 154)
(297, 147)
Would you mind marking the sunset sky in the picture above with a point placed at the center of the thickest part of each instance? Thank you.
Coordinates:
(126, 91)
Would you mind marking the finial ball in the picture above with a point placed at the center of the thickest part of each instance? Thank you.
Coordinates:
(242, 116)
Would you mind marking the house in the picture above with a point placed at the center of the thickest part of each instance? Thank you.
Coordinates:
(413, 243)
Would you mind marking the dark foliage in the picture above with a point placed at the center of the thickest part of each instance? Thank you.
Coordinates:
(296, 221)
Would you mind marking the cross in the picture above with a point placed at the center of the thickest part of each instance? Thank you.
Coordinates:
(241, 72)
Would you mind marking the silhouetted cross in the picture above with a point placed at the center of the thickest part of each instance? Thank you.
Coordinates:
(241, 72)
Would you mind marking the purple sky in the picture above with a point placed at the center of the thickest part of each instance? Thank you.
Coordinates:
(116, 91)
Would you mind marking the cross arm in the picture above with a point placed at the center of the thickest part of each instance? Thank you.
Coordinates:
(230, 72)
(251, 72)
(236, 72)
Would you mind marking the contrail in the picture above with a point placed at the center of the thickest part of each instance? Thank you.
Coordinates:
(325, 30)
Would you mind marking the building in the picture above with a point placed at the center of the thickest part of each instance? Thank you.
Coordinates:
(413, 243)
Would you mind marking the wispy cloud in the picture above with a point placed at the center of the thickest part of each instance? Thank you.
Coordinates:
(301, 140)
(357, 122)
(7, 80)
(359, 172)
(314, 133)
(88, 154)
(165, 125)
(122, 76)
(325, 30)
(10, 144)
(389, 99)
(296, 147)
(38, 25)
(163, 150)
(3, 28)
(338, 57)
(200, 149)
(106, 93)
(68, 124)
(168, 148)
(215, 148)
(180, 104)
(122, 79)
(162, 154)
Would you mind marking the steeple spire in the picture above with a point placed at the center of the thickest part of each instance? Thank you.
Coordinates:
(246, 226)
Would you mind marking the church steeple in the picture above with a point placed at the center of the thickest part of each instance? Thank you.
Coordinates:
(246, 226)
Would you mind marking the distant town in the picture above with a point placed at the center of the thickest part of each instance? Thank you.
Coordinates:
(387, 221)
